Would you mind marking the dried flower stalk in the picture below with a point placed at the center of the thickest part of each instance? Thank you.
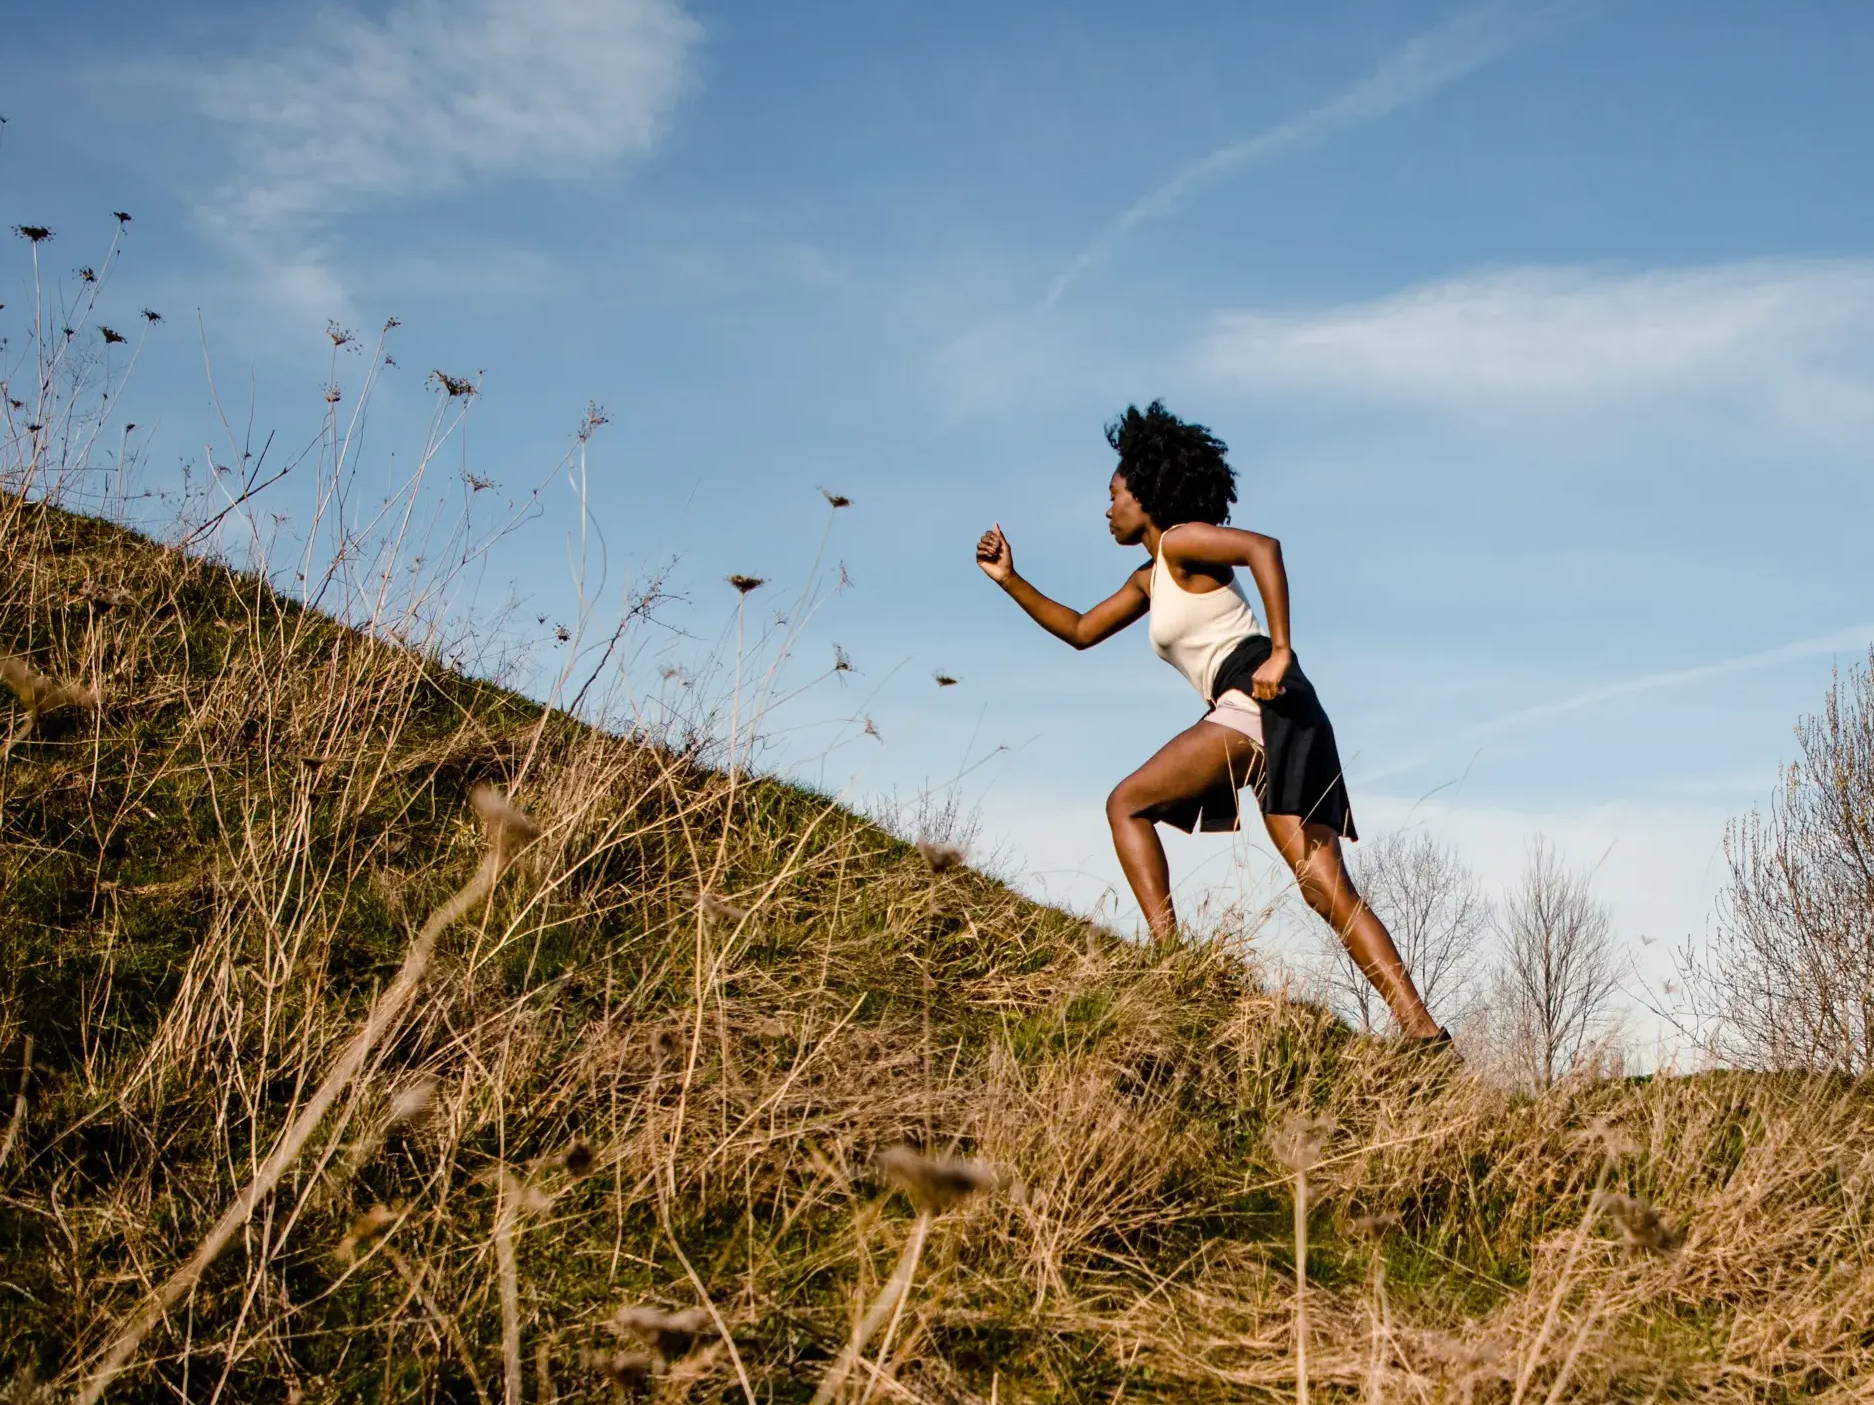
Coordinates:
(508, 829)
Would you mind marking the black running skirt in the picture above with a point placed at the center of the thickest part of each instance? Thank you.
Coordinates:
(1301, 772)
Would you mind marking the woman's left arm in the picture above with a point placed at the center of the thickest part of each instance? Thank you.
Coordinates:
(1204, 543)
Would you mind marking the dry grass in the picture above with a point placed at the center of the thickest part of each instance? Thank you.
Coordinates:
(618, 1134)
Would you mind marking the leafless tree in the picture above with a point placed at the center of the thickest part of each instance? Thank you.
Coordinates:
(1437, 914)
(1558, 974)
(1789, 978)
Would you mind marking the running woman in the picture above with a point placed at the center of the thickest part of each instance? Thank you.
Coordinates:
(1264, 726)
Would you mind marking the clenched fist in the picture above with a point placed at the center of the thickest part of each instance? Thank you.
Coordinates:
(994, 556)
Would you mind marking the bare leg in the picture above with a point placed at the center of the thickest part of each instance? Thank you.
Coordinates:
(1142, 857)
(1192, 762)
(1313, 852)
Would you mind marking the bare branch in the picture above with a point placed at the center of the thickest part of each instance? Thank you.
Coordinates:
(1789, 980)
(1558, 974)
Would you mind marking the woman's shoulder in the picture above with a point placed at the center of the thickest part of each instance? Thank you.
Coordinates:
(1205, 544)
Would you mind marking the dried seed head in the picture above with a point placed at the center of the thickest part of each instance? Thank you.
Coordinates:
(720, 909)
(746, 583)
(836, 499)
(366, 1227)
(111, 336)
(593, 419)
(1469, 1354)
(944, 680)
(1609, 1136)
(669, 1334)
(22, 680)
(1374, 1226)
(412, 1101)
(1298, 1141)
(509, 829)
(697, 1366)
(941, 857)
(453, 386)
(665, 1043)
(871, 730)
(100, 597)
(625, 1368)
(40, 694)
(32, 233)
(1639, 1223)
(934, 1183)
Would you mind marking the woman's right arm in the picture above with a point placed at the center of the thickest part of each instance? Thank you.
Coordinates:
(1082, 629)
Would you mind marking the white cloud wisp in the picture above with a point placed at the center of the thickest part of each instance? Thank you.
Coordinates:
(1792, 337)
(431, 97)
(427, 99)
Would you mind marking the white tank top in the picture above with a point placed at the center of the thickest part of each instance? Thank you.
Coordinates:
(1194, 632)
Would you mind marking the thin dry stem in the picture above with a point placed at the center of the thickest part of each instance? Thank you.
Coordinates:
(507, 1210)
(18, 1119)
(385, 1013)
(881, 1307)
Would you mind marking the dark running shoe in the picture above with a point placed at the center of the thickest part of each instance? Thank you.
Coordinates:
(1439, 1043)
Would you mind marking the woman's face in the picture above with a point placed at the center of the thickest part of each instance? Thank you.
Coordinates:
(1125, 519)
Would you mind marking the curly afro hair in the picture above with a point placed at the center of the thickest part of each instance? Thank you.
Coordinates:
(1174, 468)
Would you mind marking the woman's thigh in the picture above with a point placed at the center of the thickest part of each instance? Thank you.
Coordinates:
(1197, 760)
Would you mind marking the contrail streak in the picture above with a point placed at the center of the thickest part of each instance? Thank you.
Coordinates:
(1427, 62)
(1856, 637)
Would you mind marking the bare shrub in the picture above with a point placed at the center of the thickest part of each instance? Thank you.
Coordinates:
(1557, 974)
(1789, 980)
(1431, 902)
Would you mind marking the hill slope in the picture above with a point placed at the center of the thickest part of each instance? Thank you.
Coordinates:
(656, 1065)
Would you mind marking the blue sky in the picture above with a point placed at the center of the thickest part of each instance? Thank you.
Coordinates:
(1540, 334)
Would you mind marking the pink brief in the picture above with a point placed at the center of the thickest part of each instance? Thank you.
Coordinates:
(1239, 712)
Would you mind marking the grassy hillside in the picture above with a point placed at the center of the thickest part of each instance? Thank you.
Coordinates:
(655, 1068)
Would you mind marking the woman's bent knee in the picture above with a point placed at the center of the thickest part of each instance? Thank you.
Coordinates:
(1125, 804)
(1319, 878)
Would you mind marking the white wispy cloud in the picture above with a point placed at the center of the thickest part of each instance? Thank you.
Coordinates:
(360, 110)
(1793, 337)
(431, 96)
(1426, 63)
